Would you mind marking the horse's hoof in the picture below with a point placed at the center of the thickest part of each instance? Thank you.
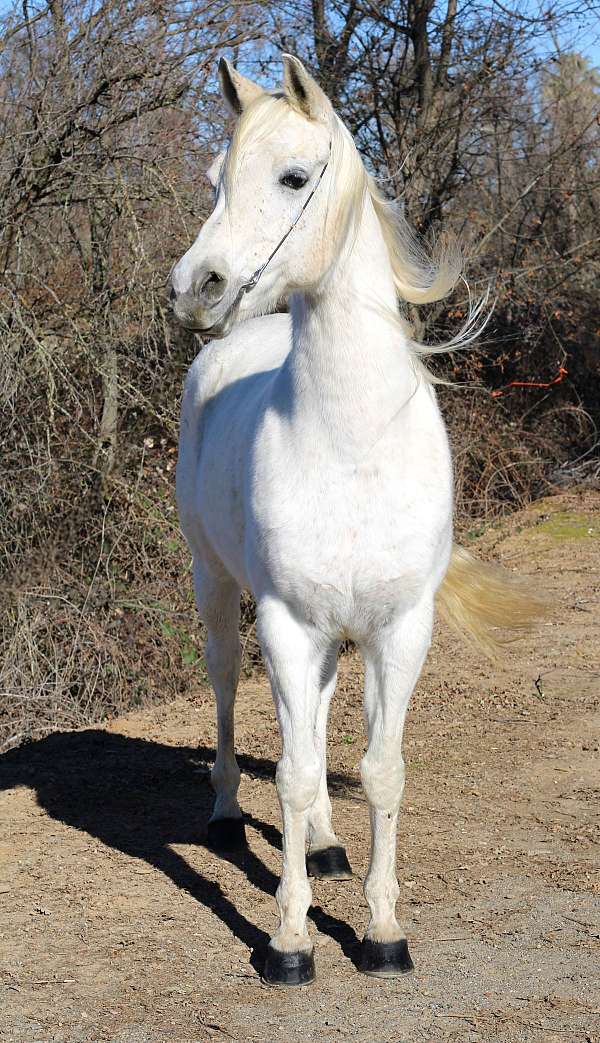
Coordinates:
(226, 834)
(385, 959)
(330, 863)
(288, 968)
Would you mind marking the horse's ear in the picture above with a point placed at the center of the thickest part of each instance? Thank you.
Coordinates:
(236, 89)
(304, 93)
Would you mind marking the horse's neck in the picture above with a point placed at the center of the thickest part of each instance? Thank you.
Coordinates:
(349, 365)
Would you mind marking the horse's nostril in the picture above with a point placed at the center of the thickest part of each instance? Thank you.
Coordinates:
(172, 294)
(212, 287)
(212, 282)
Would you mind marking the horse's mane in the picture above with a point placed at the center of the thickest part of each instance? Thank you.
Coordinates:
(418, 278)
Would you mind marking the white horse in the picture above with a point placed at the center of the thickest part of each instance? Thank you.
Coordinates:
(314, 471)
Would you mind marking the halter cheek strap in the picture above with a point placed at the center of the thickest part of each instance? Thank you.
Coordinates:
(253, 280)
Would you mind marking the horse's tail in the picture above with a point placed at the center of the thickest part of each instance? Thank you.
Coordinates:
(477, 598)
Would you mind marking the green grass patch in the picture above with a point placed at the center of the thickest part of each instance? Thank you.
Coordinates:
(569, 525)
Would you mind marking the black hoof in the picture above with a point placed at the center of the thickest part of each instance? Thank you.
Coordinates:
(226, 834)
(330, 863)
(288, 968)
(385, 959)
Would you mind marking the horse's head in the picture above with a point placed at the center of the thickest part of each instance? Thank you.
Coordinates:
(276, 178)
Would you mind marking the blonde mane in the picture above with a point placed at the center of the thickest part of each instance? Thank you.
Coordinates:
(418, 278)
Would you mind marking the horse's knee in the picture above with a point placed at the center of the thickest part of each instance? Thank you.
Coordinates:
(217, 601)
(383, 780)
(222, 652)
(298, 781)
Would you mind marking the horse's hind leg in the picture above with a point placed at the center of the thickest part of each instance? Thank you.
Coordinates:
(393, 663)
(326, 858)
(218, 601)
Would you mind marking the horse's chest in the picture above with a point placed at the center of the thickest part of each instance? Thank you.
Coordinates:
(344, 542)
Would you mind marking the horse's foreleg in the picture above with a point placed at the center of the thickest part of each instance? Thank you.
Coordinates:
(218, 602)
(293, 665)
(326, 857)
(393, 664)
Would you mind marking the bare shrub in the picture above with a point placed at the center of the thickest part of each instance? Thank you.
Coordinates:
(473, 115)
(103, 145)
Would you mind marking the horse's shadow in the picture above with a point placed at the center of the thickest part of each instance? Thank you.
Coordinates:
(141, 797)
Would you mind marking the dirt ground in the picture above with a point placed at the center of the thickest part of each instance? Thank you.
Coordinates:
(117, 923)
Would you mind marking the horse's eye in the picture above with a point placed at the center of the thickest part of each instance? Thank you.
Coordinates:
(293, 179)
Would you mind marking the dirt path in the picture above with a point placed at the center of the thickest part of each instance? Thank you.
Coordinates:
(117, 923)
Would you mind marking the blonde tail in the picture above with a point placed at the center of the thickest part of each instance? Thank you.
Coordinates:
(477, 598)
